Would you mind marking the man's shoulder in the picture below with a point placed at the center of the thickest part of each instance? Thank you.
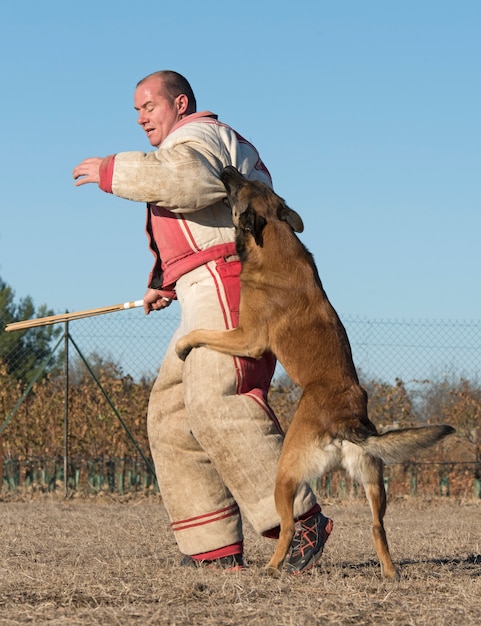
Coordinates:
(203, 130)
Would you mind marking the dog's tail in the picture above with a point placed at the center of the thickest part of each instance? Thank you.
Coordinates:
(398, 446)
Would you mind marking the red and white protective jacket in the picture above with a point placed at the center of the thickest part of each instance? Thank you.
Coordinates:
(188, 223)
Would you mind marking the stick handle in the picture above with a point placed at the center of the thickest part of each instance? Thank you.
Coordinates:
(56, 319)
(133, 305)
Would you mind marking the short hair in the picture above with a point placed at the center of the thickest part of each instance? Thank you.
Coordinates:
(174, 84)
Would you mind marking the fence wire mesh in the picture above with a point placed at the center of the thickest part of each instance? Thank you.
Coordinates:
(412, 350)
(415, 351)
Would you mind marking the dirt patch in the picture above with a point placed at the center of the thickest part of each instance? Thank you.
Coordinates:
(108, 561)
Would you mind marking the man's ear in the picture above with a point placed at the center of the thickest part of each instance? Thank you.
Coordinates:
(182, 103)
(294, 220)
(252, 223)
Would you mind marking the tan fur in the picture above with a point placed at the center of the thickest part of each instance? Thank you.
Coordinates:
(284, 309)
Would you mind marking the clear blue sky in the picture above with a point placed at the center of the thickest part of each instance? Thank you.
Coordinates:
(367, 114)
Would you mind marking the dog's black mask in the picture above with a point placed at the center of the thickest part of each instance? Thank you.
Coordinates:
(251, 222)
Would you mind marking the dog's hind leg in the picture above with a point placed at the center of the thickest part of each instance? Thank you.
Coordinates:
(368, 470)
(376, 495)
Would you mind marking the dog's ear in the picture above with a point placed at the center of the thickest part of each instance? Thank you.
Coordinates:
(253, 223)
(294, 220)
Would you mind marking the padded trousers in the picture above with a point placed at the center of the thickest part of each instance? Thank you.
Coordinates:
(214, 439)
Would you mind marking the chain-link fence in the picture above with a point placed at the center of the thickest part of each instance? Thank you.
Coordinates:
(131, 339)
(414, 351)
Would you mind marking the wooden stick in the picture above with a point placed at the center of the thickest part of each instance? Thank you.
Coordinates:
(56, 319)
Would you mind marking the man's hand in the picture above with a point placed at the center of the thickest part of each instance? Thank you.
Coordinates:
(88, 171)
(155, 300)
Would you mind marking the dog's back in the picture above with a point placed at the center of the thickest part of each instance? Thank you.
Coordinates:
(307, 336)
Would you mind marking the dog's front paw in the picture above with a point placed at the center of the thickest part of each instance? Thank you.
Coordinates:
(183, 349)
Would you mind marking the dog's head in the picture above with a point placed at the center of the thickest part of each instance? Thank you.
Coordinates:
(254, 204)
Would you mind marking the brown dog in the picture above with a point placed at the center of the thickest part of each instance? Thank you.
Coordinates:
(284, 309)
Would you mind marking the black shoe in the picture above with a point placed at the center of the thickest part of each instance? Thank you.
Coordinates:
(233, 563)
(308, 543)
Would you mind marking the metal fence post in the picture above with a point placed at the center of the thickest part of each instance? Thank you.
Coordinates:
(65, 425)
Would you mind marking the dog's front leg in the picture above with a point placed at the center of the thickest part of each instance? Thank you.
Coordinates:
(235, 342)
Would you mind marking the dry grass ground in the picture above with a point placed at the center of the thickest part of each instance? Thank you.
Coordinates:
(113, 563)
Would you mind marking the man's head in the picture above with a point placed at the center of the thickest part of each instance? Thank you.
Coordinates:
(161, 100)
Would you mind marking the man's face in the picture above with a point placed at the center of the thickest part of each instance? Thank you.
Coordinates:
(157, 115)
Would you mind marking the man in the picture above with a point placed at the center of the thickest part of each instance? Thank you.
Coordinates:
(214, 439)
